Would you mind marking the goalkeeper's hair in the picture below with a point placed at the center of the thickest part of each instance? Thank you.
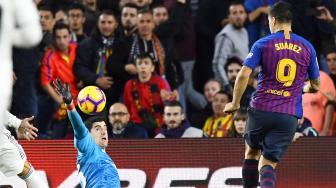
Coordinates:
(90, 121)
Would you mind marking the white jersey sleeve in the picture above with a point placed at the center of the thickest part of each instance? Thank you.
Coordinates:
(28, 30)
(12, 121)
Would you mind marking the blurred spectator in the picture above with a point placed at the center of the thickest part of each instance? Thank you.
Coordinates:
(257, 25)
(148, 42)
(304, 129)
(160, 14)
(129, 14)
(177, 25)
(58, 4)
(316, 107)
(170, 28)
(124, 2)
(121, 126)
(239, 124)
(175, 125)
(331, 61)
(109, 5)
(327, 16)
(100, 59)
(47, 23)
(26, 66)
(219, 123)
(210, 19)
(26, 69)
(232, 69)
(61, 15)
(185, 45)
(142, 4)
(57, 63)
(91, 15)
(211, 87)
(144, 96)
(76, 14)
(232, 41)
(332, 101)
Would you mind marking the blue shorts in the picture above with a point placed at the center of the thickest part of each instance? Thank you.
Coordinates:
(270, 132)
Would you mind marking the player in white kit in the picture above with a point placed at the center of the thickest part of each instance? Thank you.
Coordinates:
(19, 27)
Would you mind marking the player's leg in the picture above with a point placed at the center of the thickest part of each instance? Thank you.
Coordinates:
(30, 176)
(267, 172)
(250, 167)
(275, 144)
(253, 135)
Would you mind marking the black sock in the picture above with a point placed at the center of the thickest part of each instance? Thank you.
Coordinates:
(250, 173)
(267, 177)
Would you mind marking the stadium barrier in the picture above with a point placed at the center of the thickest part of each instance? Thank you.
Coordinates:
(161, 163)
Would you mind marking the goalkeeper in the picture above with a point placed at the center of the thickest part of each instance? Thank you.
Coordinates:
(95, 166)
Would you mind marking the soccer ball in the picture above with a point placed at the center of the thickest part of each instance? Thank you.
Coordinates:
(91, 100)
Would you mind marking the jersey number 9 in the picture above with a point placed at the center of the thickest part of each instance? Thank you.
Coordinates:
(281, 76)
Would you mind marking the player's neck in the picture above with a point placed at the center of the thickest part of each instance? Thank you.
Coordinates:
(283, 27)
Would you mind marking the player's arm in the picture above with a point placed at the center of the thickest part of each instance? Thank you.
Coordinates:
(314, 75)
(313, 86)
(239, 88)
(23, 127)
(28, 31)
(78, 126)
(251, 62)
(12, 121)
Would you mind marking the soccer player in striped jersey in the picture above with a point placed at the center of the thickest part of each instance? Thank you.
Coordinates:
(285, 60)
(95, 166)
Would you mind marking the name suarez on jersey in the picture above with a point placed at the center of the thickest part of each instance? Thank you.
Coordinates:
(287, 46)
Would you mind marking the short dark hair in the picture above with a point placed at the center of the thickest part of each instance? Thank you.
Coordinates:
(241, 112)
(282, 12)
(174, 103)
(223, 92)
(77, 6)
(58, 26)
(108, 12)
(234, 3)
(46, 8)
(232, 60)
(158, 5)
(144, 55)
(130, 5)
(91, 120)
(145, 11)
(214, 80)
(330, 50)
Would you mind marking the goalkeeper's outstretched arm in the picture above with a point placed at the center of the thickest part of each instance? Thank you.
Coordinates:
(78, 126)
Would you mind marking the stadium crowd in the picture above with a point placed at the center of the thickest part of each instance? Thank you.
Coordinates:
(167, 67)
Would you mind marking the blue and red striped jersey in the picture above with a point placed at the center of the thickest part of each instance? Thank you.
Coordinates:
(285, 60)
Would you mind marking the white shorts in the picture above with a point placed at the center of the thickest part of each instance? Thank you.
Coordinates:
(12, 156)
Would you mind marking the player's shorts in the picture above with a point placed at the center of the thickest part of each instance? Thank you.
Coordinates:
(12, 156)
(270, 131)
